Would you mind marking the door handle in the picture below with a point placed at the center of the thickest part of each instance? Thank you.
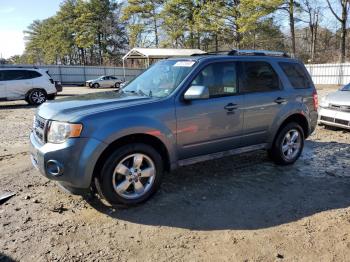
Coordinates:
(230, 107)
(280, 100)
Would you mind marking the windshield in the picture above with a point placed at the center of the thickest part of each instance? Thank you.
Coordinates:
(160, 79)
(345, 88)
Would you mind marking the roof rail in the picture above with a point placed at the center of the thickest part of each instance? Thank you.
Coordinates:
(258, 53)
(236, 52)
(24, 67)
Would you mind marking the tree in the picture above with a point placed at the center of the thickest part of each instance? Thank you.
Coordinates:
(209, 20)
(179, 22)
(148, 11)
(290, 7)
(312, 10)
(343, 18)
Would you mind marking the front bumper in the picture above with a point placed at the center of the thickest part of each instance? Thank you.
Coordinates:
(334, 118)
(76, 159)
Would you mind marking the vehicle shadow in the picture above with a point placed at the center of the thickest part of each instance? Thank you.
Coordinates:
(246, 192)
(5, 258)
(7, 105)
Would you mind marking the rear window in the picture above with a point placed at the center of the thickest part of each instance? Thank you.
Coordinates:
(296, 75)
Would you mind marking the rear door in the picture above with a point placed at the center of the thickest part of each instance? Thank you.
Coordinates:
(263, 99)
(18, 83)
(2, 85)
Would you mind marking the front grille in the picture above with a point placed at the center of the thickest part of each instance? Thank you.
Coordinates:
(335, 120)
(342, 122)
(341, 108)
(328, 119)
(40, 128)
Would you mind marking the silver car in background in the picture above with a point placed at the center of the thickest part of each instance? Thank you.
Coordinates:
(104, 81)
(335, 108)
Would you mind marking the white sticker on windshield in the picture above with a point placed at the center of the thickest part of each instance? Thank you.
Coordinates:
(184, 63)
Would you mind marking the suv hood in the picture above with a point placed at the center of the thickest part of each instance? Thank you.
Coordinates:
(67, 109)
(339, 98)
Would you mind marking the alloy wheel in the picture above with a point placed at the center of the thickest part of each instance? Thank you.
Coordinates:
(38, 97)
(291, 144)
(134, 176)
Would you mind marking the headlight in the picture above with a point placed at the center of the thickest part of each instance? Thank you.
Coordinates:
(59, 132)
(324, 103)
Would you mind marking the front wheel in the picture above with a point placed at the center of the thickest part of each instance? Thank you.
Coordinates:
(117, 85)
(96, 85)
(131, 175)
(288, 144)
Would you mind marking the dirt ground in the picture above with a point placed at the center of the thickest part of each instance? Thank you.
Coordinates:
(241, 208)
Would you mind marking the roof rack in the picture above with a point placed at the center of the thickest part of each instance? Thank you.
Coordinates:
(258, 53)
(236, 52)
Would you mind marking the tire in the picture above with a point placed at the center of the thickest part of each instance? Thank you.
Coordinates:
(37, 97)
(117, 85)
(96, 85)
(284, 152)
(120, 189)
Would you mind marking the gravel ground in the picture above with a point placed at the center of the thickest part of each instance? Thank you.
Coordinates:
(241, 208)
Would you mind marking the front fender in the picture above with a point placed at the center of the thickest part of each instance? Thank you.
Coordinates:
(113, 130)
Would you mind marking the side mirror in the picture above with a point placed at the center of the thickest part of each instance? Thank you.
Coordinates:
(196, 93)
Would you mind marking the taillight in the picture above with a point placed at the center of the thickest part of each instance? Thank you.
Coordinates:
(315, 98)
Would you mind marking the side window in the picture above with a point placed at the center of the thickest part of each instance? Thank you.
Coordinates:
(296, 75)
(220, 78)
(258, 77)
(2, 75)
(14, 75)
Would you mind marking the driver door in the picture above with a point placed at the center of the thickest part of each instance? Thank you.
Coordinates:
(215, 124)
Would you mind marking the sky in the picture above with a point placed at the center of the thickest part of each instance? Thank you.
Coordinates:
(15, 16)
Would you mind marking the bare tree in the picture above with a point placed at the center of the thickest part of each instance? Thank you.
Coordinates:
(343, 18)
(312, 10)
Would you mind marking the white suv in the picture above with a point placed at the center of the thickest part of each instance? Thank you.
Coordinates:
(33, 85)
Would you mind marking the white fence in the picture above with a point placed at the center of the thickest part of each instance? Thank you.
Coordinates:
(330, 74)
(79, 74)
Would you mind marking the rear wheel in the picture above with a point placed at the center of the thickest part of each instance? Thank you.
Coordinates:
(131, 175)
(288, 144)
(37, 97)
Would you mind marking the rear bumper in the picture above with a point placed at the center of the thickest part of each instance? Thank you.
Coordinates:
(334, 118)
(58, 86)
(71, 163)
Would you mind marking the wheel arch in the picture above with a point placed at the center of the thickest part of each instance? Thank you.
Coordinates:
(147, 139)
(297, 118)
(33, 89)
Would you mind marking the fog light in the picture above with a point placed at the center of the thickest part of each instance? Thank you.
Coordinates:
(54, 168)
